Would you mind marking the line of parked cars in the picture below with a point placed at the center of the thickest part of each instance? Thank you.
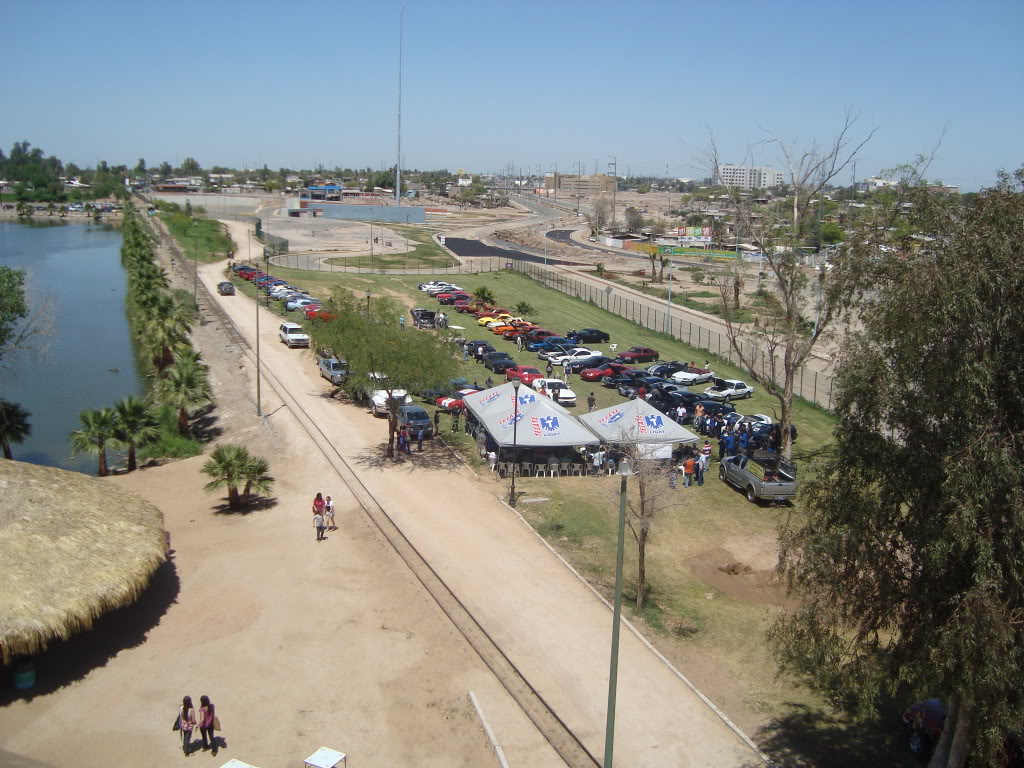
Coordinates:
(278, 289)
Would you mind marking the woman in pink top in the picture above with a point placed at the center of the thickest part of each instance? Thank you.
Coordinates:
(206, 715)
(318, 504)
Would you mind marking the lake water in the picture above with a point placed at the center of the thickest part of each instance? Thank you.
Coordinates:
(89, 360)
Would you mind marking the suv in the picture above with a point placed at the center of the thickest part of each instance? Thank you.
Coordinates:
(293, 335)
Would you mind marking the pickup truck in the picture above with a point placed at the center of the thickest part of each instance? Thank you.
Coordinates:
(762, 476)
(293, 335)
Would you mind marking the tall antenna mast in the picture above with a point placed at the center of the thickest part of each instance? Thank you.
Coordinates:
(398, 159)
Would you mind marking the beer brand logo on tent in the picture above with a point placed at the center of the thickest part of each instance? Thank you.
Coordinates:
(544, 426)
(652, 422)
(528, 398)
(610, 418)
(507, 421)
(490, 398)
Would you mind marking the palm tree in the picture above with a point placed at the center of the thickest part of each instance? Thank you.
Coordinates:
(14, 426)
(160, 338)
(184, 386)
(136, 426)
(226, 466)
(256, 474)
(484, 294)
(96, 434)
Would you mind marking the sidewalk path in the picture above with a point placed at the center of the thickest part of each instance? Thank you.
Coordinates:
(546, 620)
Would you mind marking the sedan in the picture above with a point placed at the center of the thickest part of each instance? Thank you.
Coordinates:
(226, 289)
(592, 336)
(638, 355)
(599, 372)
(629, 389)
(415, 418)
(626, 376)
(454, 402)
(555, 388)
(578, 353)
(525, 373)
(299, 304)
(491, 358)
(584, 363)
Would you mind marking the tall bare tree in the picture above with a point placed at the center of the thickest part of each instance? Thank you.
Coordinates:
(598, 217)
(779, 343)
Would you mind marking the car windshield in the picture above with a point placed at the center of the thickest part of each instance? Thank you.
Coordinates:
(416, 414)
(528, 370)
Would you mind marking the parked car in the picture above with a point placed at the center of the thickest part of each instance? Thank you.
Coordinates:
(583, 363)
(423, 318)
(495, 357)
(689, 375)
(226, 289)
(712, 407)
(476, 343)
(638, 355)
(537, 335)
(623, 377)
(629, 388)
(565, 395)
(576, 353)
(415, 418)
(599, 372)
(525, 373)
(554, 345)
(294, 304)
(451, 298)
(728, 389)
(378, 400)
(454, 402)
(591, 336)
(333, 369)
(761, 476)
(292, 335)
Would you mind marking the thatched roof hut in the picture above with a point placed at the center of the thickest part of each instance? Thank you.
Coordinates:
(72, 548)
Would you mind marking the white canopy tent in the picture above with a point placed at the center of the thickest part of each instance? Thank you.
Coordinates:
(541, 423)
(636, 421)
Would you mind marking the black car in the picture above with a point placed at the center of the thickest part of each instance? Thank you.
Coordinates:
(454, 297)
(647, 382)
(498, 361)
(711, 407)
(626, 377)
(226, 289)
(591, 336)
(415, 418)
(666, 369)
(596, 361)
(472, 345)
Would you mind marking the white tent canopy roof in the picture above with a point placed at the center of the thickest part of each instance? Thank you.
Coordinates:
(635, 421)
(541, 423)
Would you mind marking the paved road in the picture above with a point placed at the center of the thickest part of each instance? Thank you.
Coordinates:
(549, 623)
(476, 249)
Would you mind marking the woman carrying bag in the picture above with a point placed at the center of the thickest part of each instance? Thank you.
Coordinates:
(186, 722)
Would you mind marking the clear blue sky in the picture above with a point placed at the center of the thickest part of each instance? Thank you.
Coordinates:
(487, 83)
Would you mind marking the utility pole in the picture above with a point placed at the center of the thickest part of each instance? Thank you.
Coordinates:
(398, 159)
(556, 185)
(615, 184)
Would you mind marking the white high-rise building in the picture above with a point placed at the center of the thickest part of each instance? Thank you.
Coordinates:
(749, 177)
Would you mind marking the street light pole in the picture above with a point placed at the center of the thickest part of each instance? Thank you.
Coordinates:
(195, 268)
(515, 425)
(625, 470)
(668, 302)
(259, 411)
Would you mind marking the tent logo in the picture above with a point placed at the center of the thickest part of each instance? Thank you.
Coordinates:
(490, 397)
(528, 398)
(544, 426)
(610, 418)
(507, 421)
(652, 422)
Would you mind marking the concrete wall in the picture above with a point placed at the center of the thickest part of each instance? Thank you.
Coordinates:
(212, 203)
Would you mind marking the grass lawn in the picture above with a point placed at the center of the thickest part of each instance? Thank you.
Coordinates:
(198, 238)
(426, 255)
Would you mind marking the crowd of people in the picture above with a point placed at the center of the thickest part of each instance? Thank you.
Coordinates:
(323, 516)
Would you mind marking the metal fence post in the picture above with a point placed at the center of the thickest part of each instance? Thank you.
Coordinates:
(815, 386)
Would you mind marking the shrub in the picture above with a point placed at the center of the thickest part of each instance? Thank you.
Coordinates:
(698, 276)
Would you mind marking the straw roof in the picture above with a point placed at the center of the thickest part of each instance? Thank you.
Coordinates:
(72, 547)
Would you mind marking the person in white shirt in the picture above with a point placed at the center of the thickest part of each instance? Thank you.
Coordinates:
(329, 514)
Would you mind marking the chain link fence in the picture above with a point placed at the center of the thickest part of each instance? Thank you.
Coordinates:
(814, 386)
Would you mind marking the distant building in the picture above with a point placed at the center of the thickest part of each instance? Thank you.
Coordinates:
(749, 177)
(465, 181)
(592, 184)
(874, 184)
(946, 189)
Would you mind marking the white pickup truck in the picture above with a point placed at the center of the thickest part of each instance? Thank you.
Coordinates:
(293, 335)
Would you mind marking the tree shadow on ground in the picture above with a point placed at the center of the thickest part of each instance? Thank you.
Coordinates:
(434, 456)
(809, 738)
(256, 504)
(204, 424)
(68, 661)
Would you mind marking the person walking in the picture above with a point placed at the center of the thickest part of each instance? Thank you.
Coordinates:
(455, 421)
(705, 452)
(419, 439)
(401, 322)
(319, 524)
(549, 369)
(597, 460)
(699, 468)
(186, 722)
(689, 467)
(329, 514)
(206, 720)
(479, 354)
(437, 421)
(591, 402)
(465, 353)
(318, 504)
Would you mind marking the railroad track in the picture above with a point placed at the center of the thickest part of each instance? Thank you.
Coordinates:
(552, 727)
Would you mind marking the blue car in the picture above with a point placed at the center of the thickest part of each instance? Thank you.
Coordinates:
(548, 344)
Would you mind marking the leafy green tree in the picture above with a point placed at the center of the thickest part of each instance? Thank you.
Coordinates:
(485, 295)
(909, 561)
(140, 167)
(97, 433)
(14, 426)
(165, 170)
(372, 342)
(21, 326)
(190, 167)
(832, 233)
(634, 219)
(226, 465)
(185, 386)
(136, 426)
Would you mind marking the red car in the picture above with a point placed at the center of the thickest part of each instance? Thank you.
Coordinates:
(311, 310)
(525, 373)
(454, 402)
(461, 306)
(539, 334)
(638, 355)
(608, 369)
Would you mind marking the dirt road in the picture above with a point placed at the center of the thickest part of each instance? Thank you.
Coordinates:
(547, 621)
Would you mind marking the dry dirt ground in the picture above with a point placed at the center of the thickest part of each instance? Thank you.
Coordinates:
(299, 643)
